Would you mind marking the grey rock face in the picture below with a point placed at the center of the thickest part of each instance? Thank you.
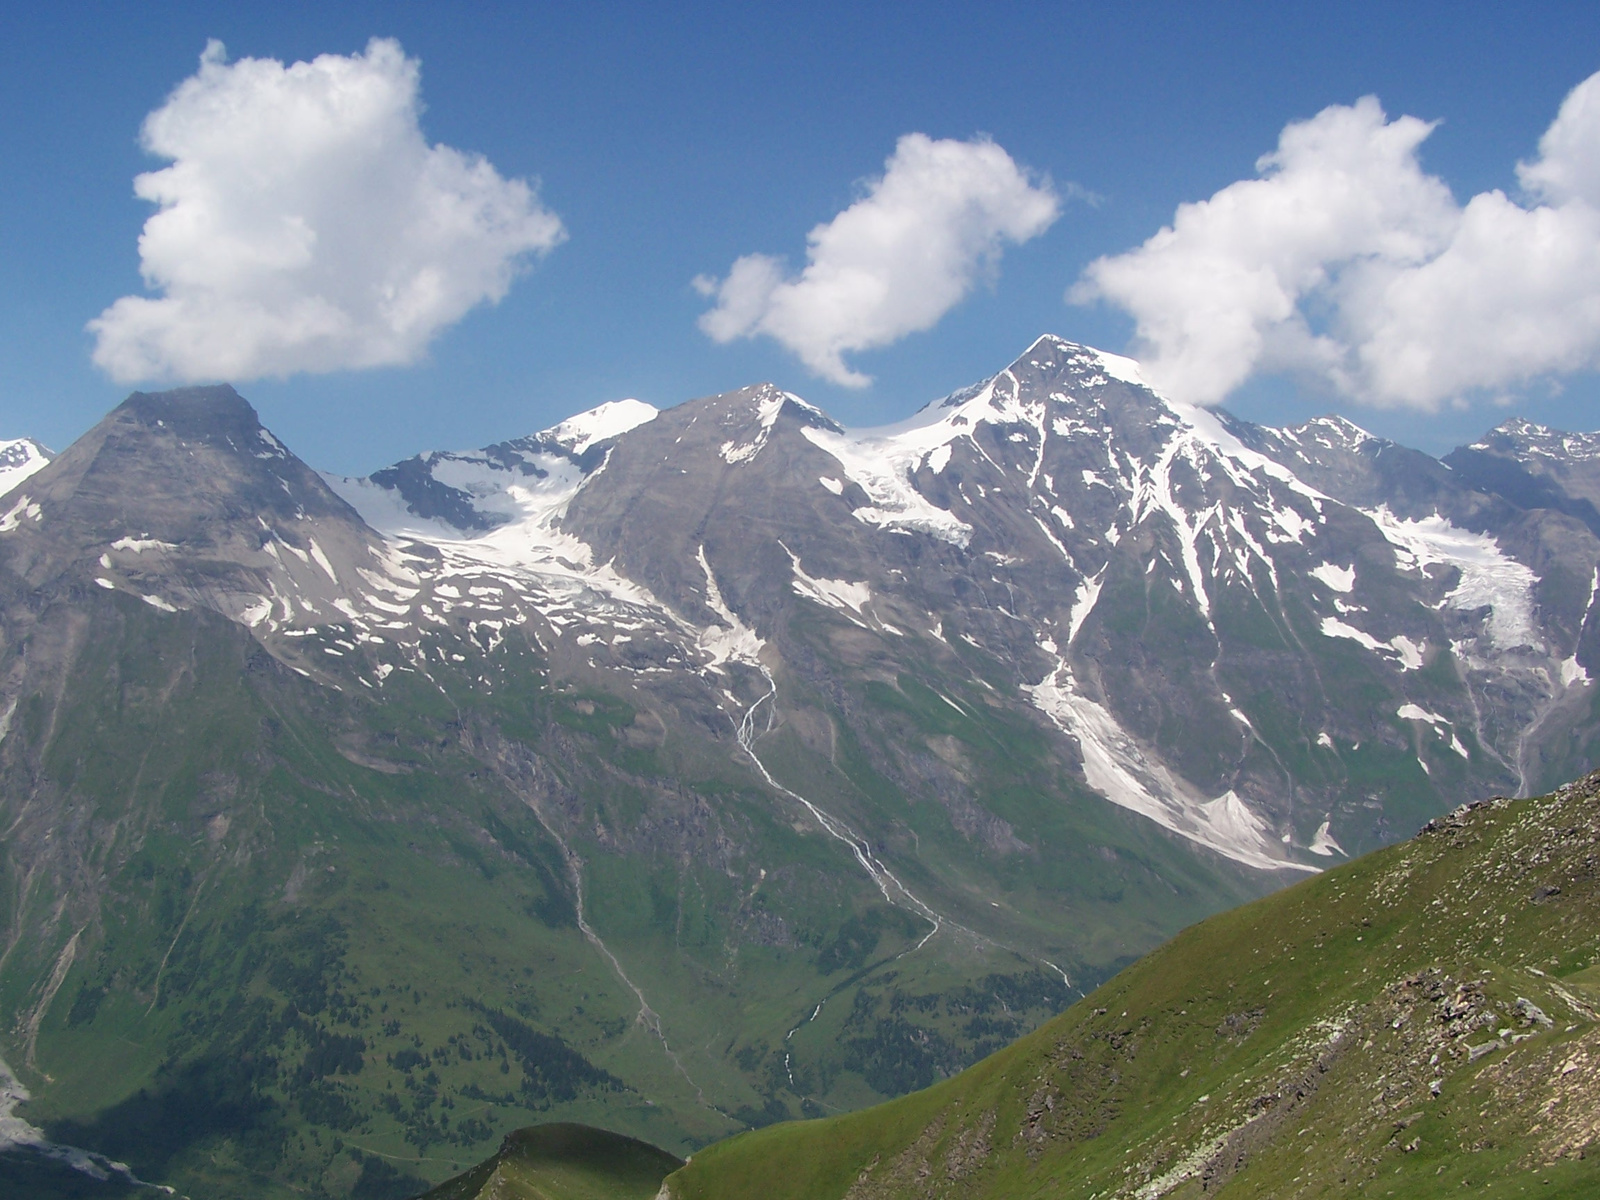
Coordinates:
(184, 499)
(1536, 467)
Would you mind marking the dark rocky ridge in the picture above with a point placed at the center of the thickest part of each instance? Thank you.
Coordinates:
(193, 473)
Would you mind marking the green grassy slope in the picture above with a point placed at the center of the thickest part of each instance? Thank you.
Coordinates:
(318, 946)
(1417, 1022)
(564, 1162)
(264, 936)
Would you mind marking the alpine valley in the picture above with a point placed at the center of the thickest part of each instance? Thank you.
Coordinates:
(681, 772)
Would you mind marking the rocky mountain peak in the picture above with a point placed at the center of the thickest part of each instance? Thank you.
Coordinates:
(746, 418)
(577, 436)
(1535, 466)
(184, 462)
(1334, 432)
(1516, 427)
(194, 412)
(1522, 439)
(475, 491)
(184, 499)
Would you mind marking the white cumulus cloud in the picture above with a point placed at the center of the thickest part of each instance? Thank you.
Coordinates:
(1346, 261)
(892, 263)
(305, 224)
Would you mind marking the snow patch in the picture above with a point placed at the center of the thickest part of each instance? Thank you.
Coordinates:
(257, 612)
(834, 593)
(321, 560)
(1322, 843)
(1407, 651)
(769, 403)
(1124, 369)
(20, 458)
(1415, 712)
(140, 545)
(23, 510)
(1118, 767)
(1333, 627)
(1292, 523)
(601, 423)
(1083, 604)
(881, 467)
(735, 643)
(1441, 725)
(1410, 653)
(1340, 579)
(1489, 578)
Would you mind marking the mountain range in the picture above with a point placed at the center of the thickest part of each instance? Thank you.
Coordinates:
(683, 771)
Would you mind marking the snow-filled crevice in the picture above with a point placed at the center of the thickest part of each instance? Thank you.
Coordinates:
(1118, 766)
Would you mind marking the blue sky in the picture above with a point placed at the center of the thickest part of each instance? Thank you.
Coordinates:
(673, 140)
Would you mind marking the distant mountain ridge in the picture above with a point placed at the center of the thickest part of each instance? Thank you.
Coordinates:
(1094, 472)
(707, 766)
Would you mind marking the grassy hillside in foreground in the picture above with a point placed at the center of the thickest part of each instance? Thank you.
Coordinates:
(1416, 1023)
(564, 1162)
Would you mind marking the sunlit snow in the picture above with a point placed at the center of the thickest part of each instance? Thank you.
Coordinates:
(1406, 650)
(20, 458)
(835, 593)
(1340, 579)
(1489, 577)
(1322, 843)
(1120, 769)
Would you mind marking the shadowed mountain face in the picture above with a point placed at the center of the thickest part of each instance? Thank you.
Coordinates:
(683, 771)
(1536, 467)
(564, 1162)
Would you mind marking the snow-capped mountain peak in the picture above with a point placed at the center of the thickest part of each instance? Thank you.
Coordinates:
(1529, 439)
(20, 458)
(452, 494)
(601, 423)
